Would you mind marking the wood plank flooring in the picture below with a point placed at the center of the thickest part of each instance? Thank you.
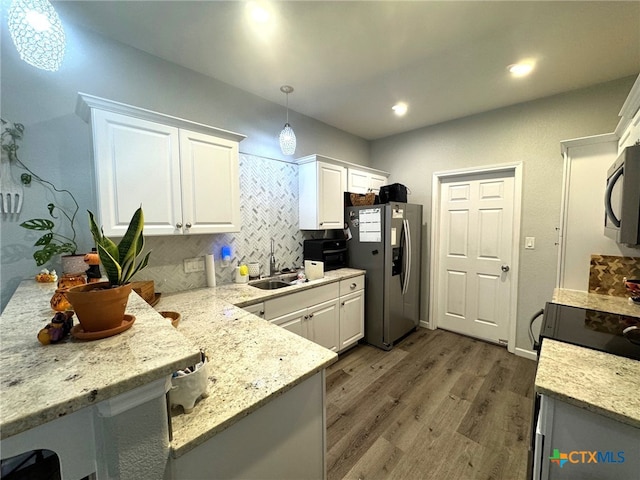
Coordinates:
(438, 406)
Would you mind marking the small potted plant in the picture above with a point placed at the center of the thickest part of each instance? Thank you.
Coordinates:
(101, 306)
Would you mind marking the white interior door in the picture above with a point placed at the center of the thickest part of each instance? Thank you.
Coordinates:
(474, 278)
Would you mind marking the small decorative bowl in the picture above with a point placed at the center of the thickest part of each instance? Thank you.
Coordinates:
(173, 316)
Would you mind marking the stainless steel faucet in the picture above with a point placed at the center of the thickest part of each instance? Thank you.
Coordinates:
(273, 269)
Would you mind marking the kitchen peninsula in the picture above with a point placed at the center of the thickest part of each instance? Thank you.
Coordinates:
(262, 378)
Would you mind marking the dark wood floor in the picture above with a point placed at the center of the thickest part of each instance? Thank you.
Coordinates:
(438, 406)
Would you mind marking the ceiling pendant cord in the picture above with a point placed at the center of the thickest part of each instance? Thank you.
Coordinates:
(287, 136)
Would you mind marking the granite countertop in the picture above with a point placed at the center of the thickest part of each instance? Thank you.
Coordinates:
(40, 383)
(600, 382)
(251, 361)
(594, 301)
(243, 295)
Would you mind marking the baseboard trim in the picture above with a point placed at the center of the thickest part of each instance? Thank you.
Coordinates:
(424, 324)
(530, 354)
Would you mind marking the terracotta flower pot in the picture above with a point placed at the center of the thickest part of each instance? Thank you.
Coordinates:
(99, 307)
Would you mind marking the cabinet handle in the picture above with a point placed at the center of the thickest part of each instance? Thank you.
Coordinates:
(311, 316)
(321, 223)
(178, 225)
(306, 317)
(353, 285)
(261, 313)
(188, 225)
(343, 303)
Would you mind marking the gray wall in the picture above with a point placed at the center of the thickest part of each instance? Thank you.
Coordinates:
(528, 133)
(57, 142)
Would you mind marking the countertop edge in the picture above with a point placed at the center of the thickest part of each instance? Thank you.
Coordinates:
(585, 405)
(178, 451)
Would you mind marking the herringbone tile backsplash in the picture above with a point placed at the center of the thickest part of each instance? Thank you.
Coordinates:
(268, 208)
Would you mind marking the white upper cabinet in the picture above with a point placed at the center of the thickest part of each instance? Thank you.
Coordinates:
(184, 174)
(628, 129)
(362, 181)
(210, 183)
(321, 194)
(322, 182)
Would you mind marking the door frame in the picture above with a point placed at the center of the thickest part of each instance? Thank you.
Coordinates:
(437, 179)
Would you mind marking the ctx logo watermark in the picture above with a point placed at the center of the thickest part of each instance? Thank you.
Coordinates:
(585, 456)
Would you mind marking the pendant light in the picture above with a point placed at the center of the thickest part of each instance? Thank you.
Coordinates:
(37, 33)
(287, 136)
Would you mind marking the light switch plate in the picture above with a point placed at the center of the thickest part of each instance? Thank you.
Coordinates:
(530, 243)
(192, 265)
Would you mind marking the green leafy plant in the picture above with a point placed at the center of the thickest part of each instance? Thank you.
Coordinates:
(51, 242)
(119, 261)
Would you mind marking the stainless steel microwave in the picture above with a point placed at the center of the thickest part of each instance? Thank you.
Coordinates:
(622, 198)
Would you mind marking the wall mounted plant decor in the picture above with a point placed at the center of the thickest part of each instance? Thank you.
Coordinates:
(52, 242)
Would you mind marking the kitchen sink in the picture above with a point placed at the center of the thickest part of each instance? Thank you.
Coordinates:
(270, 284)
(273, 283)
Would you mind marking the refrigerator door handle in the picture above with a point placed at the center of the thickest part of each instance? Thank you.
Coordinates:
(406, 231)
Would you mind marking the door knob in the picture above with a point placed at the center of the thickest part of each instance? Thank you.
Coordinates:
(504, 268)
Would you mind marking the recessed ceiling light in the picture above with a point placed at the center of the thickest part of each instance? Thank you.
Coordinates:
(400, 109)
(258, 12)
(521, 69)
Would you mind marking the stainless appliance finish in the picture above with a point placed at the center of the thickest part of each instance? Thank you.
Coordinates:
(622, 198)
(391, 258)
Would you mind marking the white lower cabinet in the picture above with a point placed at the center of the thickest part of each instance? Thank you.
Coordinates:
(575, 444)
(257, 309)
(351, 319)
(294, 322)
(323, 325)
(330, 315)
(319, 323)
(285, 438)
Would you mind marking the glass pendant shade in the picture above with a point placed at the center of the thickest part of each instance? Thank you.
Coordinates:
(287, 140)
(37, 33)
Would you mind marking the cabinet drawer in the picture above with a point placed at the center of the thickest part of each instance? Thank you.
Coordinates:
(350, 285)
(295, 301)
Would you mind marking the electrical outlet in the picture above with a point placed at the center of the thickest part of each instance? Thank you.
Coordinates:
(192, 265)
(530, 243)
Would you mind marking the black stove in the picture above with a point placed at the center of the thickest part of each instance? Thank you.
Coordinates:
(607, 332)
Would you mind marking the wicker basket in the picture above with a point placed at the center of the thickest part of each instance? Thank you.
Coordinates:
(358, 199)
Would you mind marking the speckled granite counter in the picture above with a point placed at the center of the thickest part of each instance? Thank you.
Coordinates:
(594, 301)
(41, 383)
(600, 382)
(250, 360)
(242, 295)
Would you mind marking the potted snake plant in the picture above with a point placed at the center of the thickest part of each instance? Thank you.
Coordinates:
(101, 306)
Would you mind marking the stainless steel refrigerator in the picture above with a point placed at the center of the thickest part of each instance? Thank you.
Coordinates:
(385, 241)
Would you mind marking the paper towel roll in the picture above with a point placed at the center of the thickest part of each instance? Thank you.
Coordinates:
(210, 270)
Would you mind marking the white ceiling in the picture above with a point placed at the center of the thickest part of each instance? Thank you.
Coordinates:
(349, 62)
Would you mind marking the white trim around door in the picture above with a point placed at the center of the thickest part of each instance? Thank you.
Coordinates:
(438, 177)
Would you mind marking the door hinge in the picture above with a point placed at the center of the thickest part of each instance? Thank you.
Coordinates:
(502, 341)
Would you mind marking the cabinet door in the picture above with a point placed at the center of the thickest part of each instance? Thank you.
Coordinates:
(331, 187)
(323, 324)
(137, 163)
(295, 322)
(375, 182)
(357, 181)
(351, 318)
(210, 183)
(257, 309)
